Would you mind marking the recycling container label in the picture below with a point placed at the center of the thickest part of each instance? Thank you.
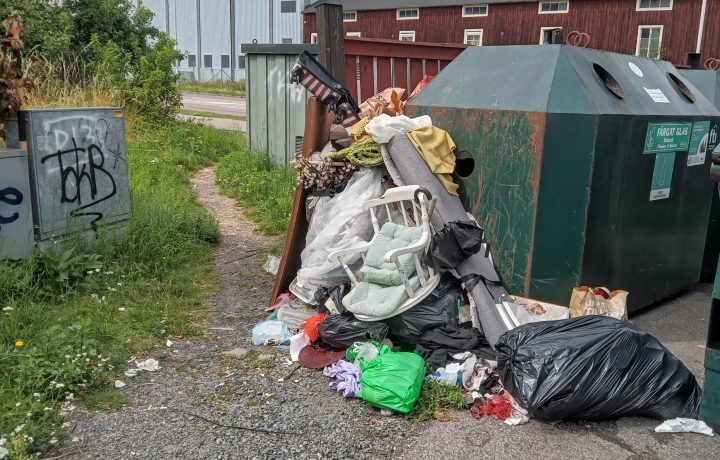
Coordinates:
(667, 137)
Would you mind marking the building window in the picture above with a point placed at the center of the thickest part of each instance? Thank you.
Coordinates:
(207, 61)
(654, 5)
(353, 34)
(649, 42)
(408, 13)
(473, 37)
(407, 36)
(191, 60)
(289, 6)
(286, 41)
(241, 62)
(470, 11)
(225, 61)
(553, 7)
(313, 38)
(349, 16)
(547, 35)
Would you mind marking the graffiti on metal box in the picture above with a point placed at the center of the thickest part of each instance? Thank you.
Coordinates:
(12, 197)
(79, 160)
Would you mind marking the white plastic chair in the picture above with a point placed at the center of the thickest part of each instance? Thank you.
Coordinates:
(407, 205)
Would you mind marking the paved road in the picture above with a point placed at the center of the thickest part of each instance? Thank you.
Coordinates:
(228, 105)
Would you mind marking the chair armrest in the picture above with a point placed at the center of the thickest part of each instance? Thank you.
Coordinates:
(421, 243)
(336, 255)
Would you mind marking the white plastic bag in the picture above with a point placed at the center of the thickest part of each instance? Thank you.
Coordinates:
(383, 127)
(271, 265)
(366, 351)
(270, 333)
(340, 223)
(684, 425)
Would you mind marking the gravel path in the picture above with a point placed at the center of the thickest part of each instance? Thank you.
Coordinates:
(179, 411)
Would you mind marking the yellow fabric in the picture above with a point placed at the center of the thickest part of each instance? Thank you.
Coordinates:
(438, 150)
(357, 132)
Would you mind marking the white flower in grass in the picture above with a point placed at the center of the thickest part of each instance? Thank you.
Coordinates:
(19, 428)
(3, 452)
(28, 414)
(53, 441)
(37, 395)
(8, 309)
(70, 396)
(59, 385)
(46, 408)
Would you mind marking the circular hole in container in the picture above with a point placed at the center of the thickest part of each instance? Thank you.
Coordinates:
(682, 87)
(608, 80)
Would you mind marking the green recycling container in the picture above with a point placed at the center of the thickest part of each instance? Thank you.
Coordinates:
(708, 82)
(582, 172)
(710, 405)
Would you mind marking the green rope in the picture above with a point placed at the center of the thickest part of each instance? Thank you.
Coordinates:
(364, 153)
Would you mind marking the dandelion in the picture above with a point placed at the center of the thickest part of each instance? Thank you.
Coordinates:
(8, 309)
(19, 343)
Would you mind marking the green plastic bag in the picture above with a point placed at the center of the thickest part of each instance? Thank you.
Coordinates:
(391, 380)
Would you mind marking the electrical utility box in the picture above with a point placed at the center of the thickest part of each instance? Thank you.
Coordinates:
(16, 225)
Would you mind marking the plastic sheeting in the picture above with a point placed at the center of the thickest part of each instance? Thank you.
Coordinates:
(340, 223)
(594, 368)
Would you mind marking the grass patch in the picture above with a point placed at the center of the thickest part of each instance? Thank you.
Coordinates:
(71, 317)
(264, 190)
(199, 113)
(230, 88)
(435, 397)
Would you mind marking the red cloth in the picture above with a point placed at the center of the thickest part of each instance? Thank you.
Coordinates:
(498, 406)
(311, 326)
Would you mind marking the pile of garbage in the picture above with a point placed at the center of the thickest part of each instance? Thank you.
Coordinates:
(397, 285)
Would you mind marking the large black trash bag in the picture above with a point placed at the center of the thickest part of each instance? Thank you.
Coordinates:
(438, 309)
(594, 367)
(341, 331)
(454, 243)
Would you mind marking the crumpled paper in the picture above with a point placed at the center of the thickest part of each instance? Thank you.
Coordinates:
(150, 365)
(684, 425)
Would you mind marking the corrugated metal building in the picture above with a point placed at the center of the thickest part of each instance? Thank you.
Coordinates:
(650, 28)
(210, 32)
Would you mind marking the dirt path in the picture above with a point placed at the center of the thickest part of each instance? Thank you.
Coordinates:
(179, 411)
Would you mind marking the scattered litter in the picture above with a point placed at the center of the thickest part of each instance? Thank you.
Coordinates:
(346, 378)
(122, 309)
(270, 333)
(297, 343)
(272, 264)
(497, 406)
(586, 301)
(169, 343)
(119, 384)
(684, 425)
(221, 328)
(131, 372)
(150, 365)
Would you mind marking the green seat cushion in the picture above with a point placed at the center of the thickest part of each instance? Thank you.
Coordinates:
(392, 236)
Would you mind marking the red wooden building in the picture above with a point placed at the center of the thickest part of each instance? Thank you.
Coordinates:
(654, 28)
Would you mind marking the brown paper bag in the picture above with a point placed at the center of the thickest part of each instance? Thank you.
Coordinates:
(584, 302)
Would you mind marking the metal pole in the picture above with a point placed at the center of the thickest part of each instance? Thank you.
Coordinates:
(233, 57)
(167, 17)
(199, 39)
(271, 4)
(701, 29)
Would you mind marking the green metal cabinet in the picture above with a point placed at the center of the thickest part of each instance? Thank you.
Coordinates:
(275, 107)
(562, 184)
(708, 82)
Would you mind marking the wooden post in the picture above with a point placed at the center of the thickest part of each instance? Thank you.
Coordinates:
(331, 40)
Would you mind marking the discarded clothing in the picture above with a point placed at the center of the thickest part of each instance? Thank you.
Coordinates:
(438, 150)
(484, 379)
(594, 368)
(346, 377)
(438, 346)
(311, 326)
(341, 331)
(498, 406)
(363, 153)
(383, 127)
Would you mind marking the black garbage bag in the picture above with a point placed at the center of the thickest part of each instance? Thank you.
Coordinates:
(438, 309)
(335, 293)
(455, 243)
(341, 331)
(594, 367)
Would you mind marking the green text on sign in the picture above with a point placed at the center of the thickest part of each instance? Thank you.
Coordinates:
(667, 137)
